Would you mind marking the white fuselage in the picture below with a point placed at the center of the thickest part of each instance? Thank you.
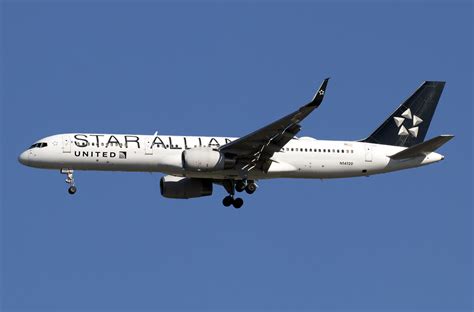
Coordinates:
(299, 158)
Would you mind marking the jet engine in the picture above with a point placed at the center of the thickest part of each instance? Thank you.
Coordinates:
(205, 159)
(184, 188)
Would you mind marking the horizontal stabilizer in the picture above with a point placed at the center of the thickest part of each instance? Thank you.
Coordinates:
(424, 148)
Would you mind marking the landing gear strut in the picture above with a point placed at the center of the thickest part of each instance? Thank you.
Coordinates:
(70, 180)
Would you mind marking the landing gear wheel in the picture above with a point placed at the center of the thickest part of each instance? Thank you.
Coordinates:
(72, 190)
(240, 186)
(227, 201)
(251, 188)
(238, 202)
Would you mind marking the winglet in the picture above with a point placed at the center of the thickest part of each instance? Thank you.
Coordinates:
(318, 97)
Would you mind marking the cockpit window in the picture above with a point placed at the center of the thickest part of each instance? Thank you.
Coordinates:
(39, 145)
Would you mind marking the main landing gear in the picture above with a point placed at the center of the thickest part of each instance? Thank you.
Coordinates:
(248, 186)
(230, 200)
(231, 186)
(70, 180)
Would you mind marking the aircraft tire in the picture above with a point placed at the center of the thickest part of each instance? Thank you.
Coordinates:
(238, 202)
(227, 201)
(72, 190)
(251, 188)
(240, 186)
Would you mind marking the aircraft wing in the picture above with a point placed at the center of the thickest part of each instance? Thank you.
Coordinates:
(255, 149)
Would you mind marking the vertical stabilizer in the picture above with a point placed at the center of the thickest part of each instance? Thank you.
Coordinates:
(409, 124)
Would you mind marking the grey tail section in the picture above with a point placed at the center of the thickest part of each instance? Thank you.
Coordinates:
(408, 125)
(424, 148)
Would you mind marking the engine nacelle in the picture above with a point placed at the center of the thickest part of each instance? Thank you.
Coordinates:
(205, 159)
(184, 188)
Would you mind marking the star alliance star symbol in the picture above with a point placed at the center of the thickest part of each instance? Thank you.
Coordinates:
(413, 131)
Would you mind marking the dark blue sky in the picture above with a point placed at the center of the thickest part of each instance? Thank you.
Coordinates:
(398, 242)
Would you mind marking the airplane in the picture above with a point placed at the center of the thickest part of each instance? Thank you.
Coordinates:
(193, 164)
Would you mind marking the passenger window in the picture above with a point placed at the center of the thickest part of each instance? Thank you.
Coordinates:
(324, 150)
(92, 143)
(338, 151)
(342, 151)
(292, 149)
(305, 149)
(333, 150)
(319, 150)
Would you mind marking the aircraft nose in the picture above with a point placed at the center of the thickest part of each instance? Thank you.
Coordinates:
(23, 158)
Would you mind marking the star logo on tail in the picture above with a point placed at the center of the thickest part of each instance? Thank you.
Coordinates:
(413, 125)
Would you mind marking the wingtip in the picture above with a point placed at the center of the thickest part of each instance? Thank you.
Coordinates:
(319, 95)
(450, 136)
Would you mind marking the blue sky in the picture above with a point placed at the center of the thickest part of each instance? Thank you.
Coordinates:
(398, 242)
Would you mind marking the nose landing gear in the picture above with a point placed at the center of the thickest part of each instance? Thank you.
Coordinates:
(70, 180)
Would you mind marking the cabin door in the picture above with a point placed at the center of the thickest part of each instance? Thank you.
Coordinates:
(368, 154)
(66, 144)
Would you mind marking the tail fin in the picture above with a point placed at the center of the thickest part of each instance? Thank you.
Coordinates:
(408, 125)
